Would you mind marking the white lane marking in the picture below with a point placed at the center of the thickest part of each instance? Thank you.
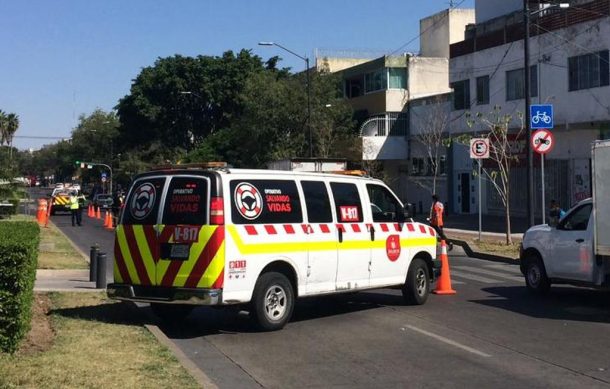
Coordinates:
(448, 341)
(474, 277)
(457, 282)
(512, 277)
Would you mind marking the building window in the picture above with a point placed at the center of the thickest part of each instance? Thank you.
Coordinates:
(515, 84)
(398, 78)
(482, 90)
(354, 87)
(375, 81)
(417, 166)
(588, 71)
(461, 94)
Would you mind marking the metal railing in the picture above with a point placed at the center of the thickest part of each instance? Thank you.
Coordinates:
(390, 124)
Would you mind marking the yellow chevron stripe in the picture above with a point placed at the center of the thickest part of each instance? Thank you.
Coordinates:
(214, 269)
(145, 253)
(196, 249)
(279, 247)
(162, 265)
(133, 274)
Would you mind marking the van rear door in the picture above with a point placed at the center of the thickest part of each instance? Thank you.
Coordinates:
(191, 249)
(136, 248)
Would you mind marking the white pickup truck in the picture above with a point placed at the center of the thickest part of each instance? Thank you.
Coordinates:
(577, 251)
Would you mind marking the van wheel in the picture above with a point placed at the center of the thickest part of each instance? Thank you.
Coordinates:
(536, 279)
(416, 289)
(272, 301)
(171, 313)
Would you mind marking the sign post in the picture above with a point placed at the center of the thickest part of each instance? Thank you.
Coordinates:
(542, 143)
(479, 149)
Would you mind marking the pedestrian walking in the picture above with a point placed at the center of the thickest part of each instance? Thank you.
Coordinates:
(555, 213)
(436, 219)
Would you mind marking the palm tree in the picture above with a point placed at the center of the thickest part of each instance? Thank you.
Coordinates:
(12, 124)
(3, 126)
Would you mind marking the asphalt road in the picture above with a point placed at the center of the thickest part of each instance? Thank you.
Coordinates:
(491, 334)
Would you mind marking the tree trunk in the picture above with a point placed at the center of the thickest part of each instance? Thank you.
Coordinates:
(509, 238)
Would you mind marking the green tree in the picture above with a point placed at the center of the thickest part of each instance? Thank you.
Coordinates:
(181, 100)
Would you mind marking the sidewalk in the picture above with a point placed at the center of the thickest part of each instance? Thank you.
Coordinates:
(64, 281)
(490, 224)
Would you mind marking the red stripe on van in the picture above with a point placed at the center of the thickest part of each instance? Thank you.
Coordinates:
(341, 227)
(324, 228)
(136, 256)
(384, 227)
(219, 283)
(170, 273)
(151, 239)
(288, 228)
(305, 228)
(270, 230)
(432, 232)
(120, 262)
(206, 257)
(410, 227)
(251, 230)
(422, 228)
(397, 227)
(356, 227)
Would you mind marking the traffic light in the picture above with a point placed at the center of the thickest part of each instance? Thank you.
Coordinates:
(77, 163)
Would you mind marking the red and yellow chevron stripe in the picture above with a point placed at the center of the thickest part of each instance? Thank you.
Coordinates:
(61, 200)
(138, 262)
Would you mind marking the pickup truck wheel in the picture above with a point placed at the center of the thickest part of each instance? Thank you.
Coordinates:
(536, 279)
(272, 301)
(416, 289)
(171, 313)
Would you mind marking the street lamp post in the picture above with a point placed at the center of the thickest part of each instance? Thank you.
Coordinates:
(306, 59)
(526, 70)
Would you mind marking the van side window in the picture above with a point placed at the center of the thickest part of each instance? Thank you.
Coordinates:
(384, 206)
(317, 202)
(347, 202)
(142, 206)
(265, 202)
(186, 201)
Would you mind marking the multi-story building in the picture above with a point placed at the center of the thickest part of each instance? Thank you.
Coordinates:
(569, 68)
(382, 90)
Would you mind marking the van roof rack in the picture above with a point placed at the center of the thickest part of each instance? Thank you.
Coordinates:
(197, 165)
(358, 173)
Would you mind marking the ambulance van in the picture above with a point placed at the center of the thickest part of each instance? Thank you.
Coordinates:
(260, 239)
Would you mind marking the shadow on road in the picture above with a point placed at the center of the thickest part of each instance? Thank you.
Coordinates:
(205, 321)
(561, 303)
(112, 313)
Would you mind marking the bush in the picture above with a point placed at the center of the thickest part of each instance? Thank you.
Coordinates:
(18, 258)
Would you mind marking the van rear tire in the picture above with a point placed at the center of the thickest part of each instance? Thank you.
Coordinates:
(536, 279)
(416, 289)
(272, 301)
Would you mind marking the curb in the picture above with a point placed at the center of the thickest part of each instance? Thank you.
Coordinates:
(74, 246)
(202, 379)
(486, 256)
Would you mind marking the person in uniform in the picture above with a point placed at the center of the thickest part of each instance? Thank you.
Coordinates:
(436, 219)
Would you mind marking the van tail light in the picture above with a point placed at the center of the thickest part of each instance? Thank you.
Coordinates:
(217, 213)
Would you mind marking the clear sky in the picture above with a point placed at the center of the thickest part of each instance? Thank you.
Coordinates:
(63, 58)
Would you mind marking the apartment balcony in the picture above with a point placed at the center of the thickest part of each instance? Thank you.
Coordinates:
(384, 137)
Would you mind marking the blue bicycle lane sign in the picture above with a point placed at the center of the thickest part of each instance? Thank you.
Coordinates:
(541, 116)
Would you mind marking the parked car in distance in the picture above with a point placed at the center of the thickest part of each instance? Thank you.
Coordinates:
(103, 201)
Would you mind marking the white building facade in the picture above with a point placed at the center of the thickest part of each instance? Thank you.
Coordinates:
(569, 66)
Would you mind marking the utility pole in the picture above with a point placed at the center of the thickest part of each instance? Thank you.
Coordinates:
(530, 157)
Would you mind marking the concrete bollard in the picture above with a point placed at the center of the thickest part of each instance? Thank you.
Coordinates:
(93, 262)
(100, 281)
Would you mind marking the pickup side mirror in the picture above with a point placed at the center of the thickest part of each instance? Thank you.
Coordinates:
(409, 211)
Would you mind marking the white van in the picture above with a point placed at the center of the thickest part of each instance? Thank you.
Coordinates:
(262, 238)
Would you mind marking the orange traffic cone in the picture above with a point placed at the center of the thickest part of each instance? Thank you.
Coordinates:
(110, 225)
(443, 285)
(98, 214)
(90, 210)
(106, 220)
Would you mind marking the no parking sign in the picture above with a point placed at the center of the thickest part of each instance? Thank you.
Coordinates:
(479, 148)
